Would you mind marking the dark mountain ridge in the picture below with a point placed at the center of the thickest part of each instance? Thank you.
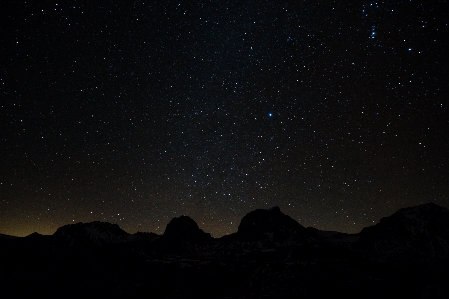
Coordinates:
(185, 229)
(271, 255)
(93, 233)
(270, 225)
(418, 233)
(427, 219)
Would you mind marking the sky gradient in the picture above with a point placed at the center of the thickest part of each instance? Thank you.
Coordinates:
(135, 112)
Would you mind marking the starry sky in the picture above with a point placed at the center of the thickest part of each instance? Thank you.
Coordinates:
(135, 112)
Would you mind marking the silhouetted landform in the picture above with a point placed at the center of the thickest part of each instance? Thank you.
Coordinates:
(405, 255)
(270, 225)
(185, 229)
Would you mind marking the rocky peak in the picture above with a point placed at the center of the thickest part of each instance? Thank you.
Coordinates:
(94, 233)
(269, 224)
(424, 219)
(417, 233)
(184, 228)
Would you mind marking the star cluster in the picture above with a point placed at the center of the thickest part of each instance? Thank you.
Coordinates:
(137, 112)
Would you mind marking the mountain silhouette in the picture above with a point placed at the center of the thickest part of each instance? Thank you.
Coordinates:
(92, 233)
(415, 233)
(270, 225)
(185, 229)
(271, 256)
(427, 219)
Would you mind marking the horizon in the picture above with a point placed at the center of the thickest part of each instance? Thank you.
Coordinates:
(212, 235)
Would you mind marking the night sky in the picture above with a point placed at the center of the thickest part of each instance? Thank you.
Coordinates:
(135, 112)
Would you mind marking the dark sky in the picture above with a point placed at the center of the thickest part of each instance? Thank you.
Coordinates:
(135, 112)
